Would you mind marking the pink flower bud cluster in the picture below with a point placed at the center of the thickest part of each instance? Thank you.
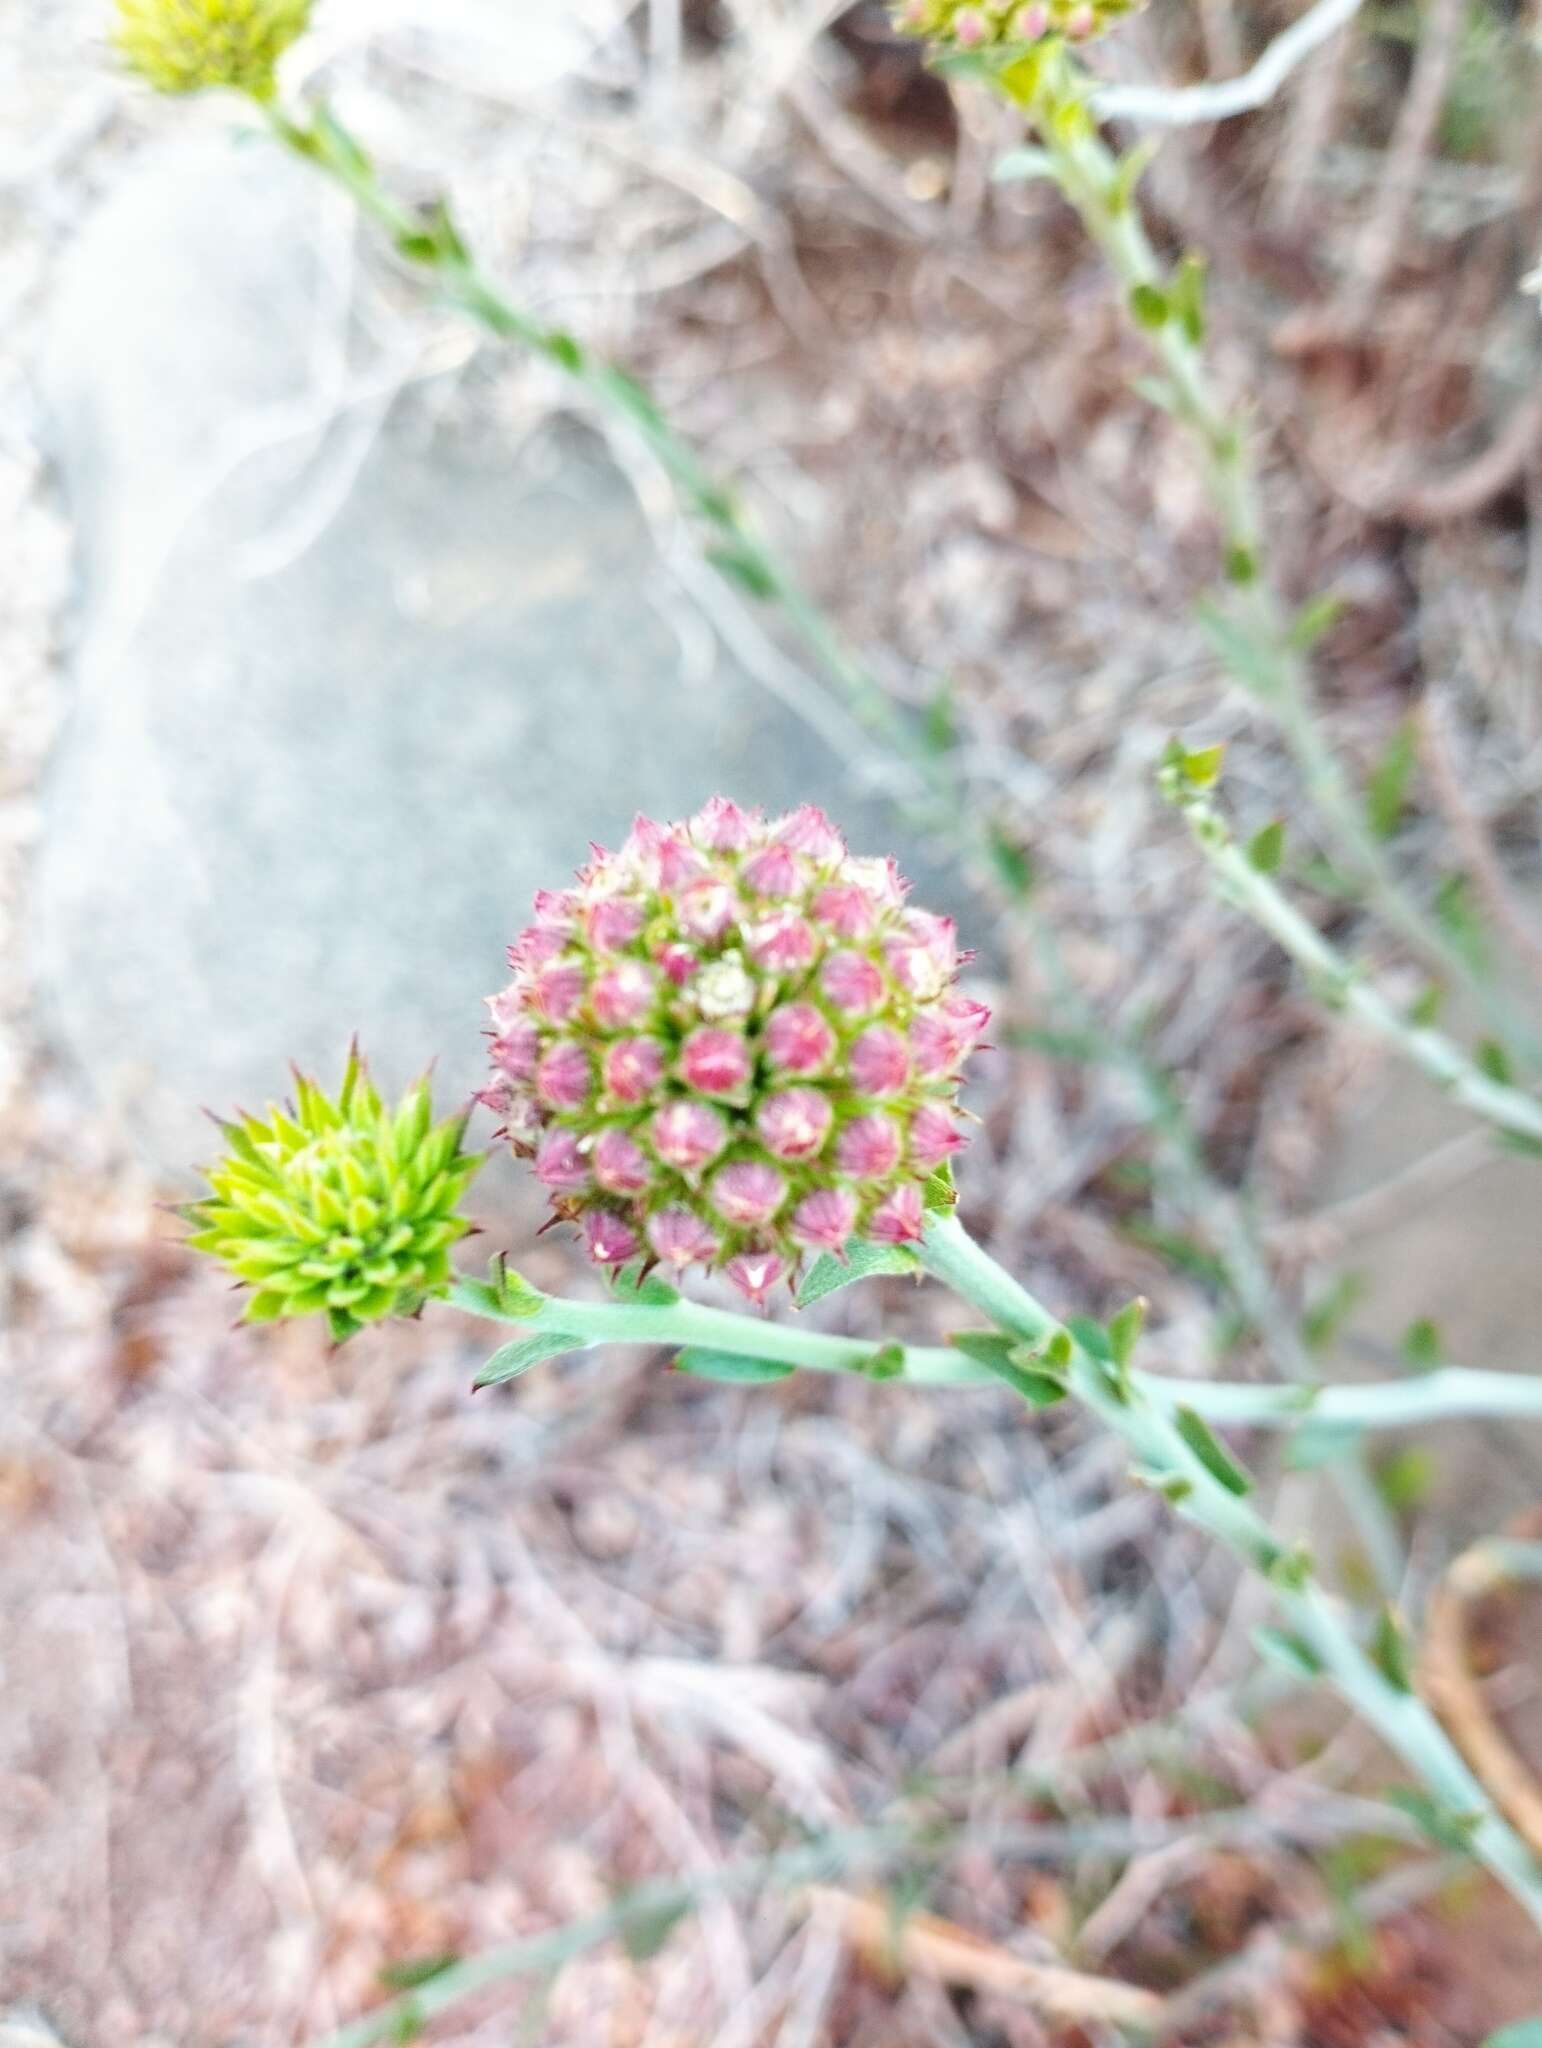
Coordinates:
(733, 1044)
(981, 24)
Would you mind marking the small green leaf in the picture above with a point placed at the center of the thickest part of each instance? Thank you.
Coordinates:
(1188, 301)
(1241, 565)
(888, 1363)
(1290, 1652)
(564, 350)
(644, 1934)
(1422, 1346)
(516, 1296)
(410, 1976)
(1494, 1061)
(1131, 168)
(1149, 304)
(1017, 165)
(1425, 1012)
(860, 1261)
(1266, 848)
(1389, 1651)
(742, 566)
(1316, 617)
(1386, 794)
(1325, 1318)
(1014, 868)
(1446, 1826)
(732, 1369)
(1194, 767)
(1290, 1569)
(1406, 1478)
(1211, 1452)
(939, 727)
(634, 1283)
(1124, 1331)
(1457, 912)
(518, 1357)
(1020, 1366)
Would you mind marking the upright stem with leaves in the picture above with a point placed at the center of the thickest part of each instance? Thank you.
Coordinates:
(1261, 644)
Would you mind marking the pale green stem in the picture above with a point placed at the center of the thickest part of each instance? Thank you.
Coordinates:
(1166, 1457)
(1265, 659)
(1433, 1397)
(1337, 982)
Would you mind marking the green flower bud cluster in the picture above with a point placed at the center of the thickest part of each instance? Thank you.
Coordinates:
(343, 1208)
(193, 45)
(987, 24)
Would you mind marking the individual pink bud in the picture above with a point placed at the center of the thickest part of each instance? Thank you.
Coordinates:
(755, 1274)
(798, 1039)
(680, 1238)
(724, 989)
(1080, 23)
(852, 983)
(687, 1135)
(722, 826)
(560, 1165)
(971, 27)
(878, 1063)
(507, 1006)
(707, 909)
(748, 1193)
(613, 923)
(1031, 24)
(869, 1147)
(938, 935)
(516, 1050)
(537, 944)
(610, 1238)
(880, 881)
(620, 1163)
(782, 943)
(632, 1069)
(825, 1219)
(678, 961)
(641, 844)
(899, 1217)
(622, 995)
(795, 1123)
(808, 831)
(845, 908)
(773, 872)
(556, 907)
(715, 1062)
(679, 863)
(522, 1123)
(916, 971)
(496, 1096)
(559, 989)
(563, 1078)
(933, 1137)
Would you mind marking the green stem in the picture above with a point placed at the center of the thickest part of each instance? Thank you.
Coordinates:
(1338, 983)
(1254, 635)
(1433, 1397)
(1166, 1456)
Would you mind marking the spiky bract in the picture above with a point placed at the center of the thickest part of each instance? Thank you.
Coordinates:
(342, 1207)
(732, 1044)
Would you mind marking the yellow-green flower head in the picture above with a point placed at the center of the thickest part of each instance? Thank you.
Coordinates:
(337, 1207)
(986, 24)
(191, 45)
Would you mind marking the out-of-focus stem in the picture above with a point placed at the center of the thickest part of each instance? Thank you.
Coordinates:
(1257, 641)
(1338, 983)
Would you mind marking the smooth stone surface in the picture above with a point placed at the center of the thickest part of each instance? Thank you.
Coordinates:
(341, 705)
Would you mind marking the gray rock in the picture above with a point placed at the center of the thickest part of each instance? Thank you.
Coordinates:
(329, 736)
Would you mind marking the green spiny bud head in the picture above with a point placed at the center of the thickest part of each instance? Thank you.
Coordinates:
(988, 24)
(192, 45)
(337, 1206)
